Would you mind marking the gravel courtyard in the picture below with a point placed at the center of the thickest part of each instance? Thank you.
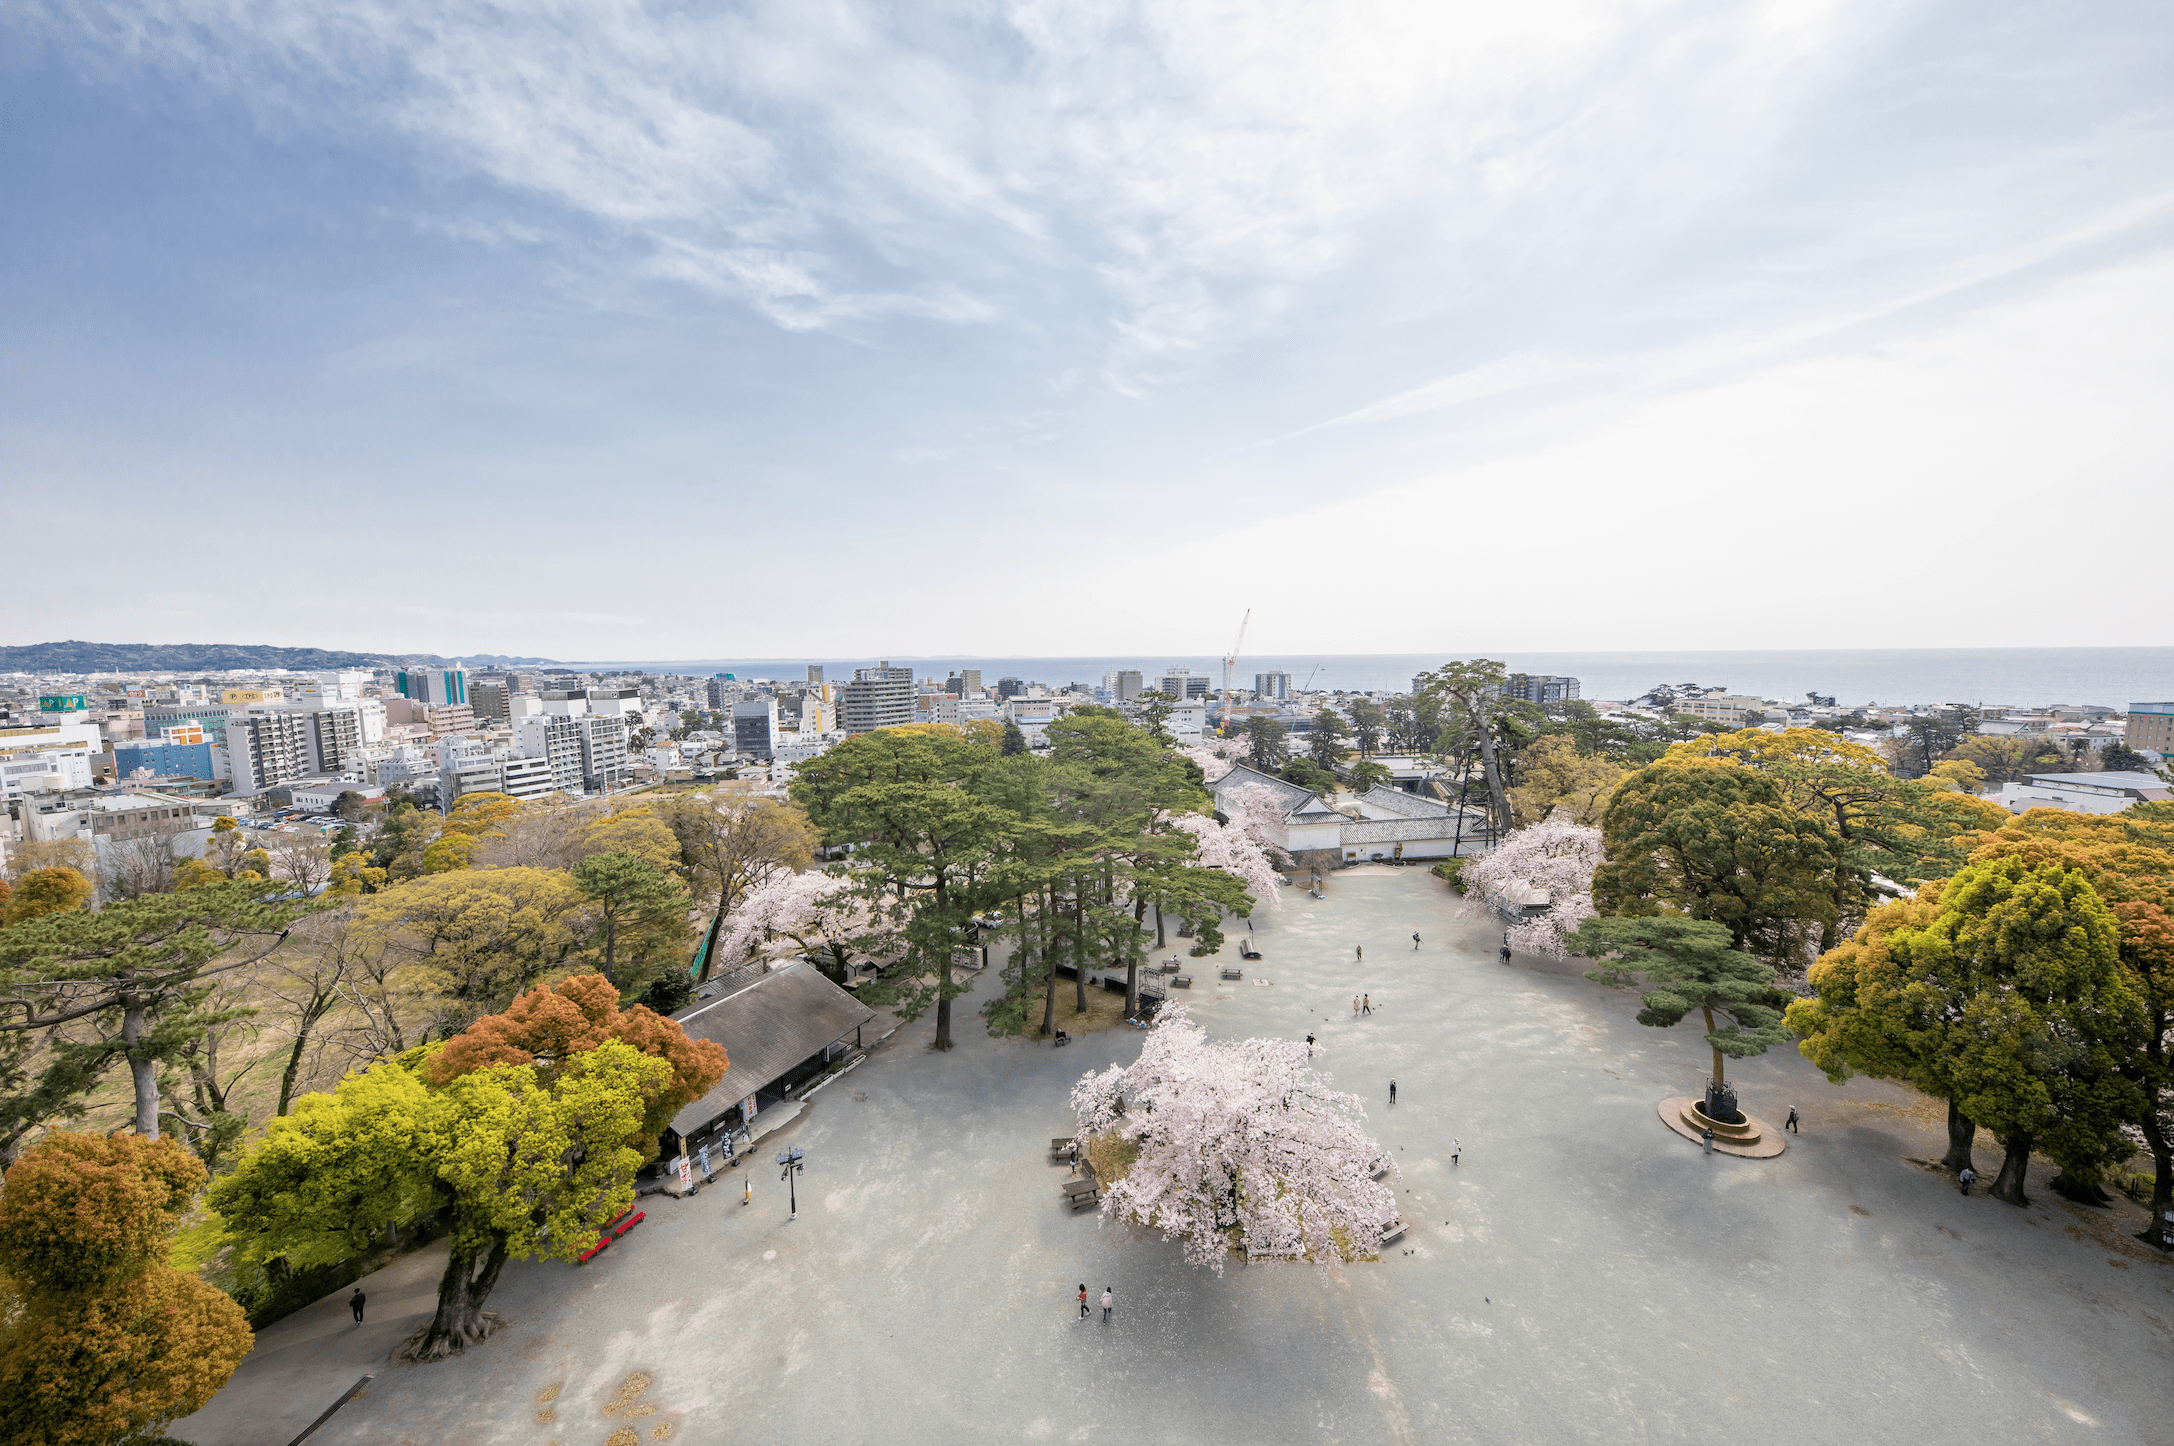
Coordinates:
(1582, 1275)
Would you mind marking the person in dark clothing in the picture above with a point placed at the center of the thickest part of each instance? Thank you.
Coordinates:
(1415, 942)
(1790, 1124)
(1706, 1138)
(1083, 1300)
(1392, 1092)
(1969, 1177)
(355, 1303)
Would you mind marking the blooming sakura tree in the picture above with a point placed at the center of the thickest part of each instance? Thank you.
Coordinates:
(1235, 851)
(1214, 756)
(1239, 1145)
(1556, 856)
(789, 914)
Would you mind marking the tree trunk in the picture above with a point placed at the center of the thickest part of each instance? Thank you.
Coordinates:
(461, 1320)
(943, 968)
(2160, 1231)
(2008, 1185)
(1132, 987)
(1495, 792)
(1160, 941)
(1962, 1132)
(1718, 1079)
(142, 1068)
(1079, 947)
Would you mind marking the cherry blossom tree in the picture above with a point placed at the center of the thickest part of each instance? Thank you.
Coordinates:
(808, 913)
(1235, 1145)
(1214, 756)
(1233, 849)
(1555, 856)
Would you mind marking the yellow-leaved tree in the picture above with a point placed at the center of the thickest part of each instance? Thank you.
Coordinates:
(101, 1340)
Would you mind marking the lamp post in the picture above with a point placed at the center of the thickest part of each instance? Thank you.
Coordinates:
(790, 1159)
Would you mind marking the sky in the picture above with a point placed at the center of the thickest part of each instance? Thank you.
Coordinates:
(815, 328)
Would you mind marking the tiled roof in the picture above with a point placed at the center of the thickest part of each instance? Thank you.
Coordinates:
(1410, 805)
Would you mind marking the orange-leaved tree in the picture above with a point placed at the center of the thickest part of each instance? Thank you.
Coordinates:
(549, 1027)
(101, 1340)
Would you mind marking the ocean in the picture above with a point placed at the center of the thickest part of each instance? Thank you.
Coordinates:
(2018, 677)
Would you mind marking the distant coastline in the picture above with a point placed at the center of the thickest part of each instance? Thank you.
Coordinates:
(2024, 677)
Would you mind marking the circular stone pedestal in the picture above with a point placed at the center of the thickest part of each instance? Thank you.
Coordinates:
(1751, 1139)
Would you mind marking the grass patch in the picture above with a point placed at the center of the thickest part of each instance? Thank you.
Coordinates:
(1112, 1156)
(1105, 1010)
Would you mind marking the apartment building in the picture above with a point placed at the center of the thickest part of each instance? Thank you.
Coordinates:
(878, 697)
(1271, 686)
(271, 747)
(1543, 688)
(2151, 725)
(755, 726)
(436, 686)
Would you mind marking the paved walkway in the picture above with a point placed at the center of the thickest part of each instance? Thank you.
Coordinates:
(1582, 1275)
(302, 1364)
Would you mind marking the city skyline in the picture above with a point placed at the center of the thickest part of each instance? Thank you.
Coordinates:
(1784, 326)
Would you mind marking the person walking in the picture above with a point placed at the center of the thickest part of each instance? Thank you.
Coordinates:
(1415, 943)
(1366, 1004)
(1706, 1137)
(1309, 1046)
(1455, 1150)
(1083, 1300)
(1505, 950)
(1359, 950)
(704, 1153)
(1969, 1177)
(1790, 1124)
(1354, 1006)
(354, 1303)
(1109, 1299)
(1392, 1092)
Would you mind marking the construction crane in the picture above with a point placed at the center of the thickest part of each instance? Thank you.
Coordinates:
(1230, 664)
(1310, 677)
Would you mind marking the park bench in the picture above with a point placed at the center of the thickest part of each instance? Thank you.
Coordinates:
(1391, 1231)
(1182, 981)
(612, 1232)
(1232, 971)
(1080, 1192)
(1060, 1148)
(1380, 1167)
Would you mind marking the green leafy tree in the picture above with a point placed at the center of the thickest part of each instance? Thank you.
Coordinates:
(101, 1339)
(1368, 723)
(2031, 955)
(1474, 715)
(2121, 758)
(1366, 774)
(906, 799)
(1868, 1014)
(640, 909)
(1685, 964)
(1716, 841)
(132, 983)
(1015, 742)
(525, 1168)
(1325, 744)
(1155, 708)
(1268, 744)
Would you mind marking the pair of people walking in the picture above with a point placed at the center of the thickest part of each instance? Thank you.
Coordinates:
(1109, 1301)
(1361, 1004)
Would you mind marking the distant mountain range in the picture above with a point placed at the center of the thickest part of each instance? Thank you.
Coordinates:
(77, 656)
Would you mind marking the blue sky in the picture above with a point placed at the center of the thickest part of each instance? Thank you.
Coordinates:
(644, 330)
